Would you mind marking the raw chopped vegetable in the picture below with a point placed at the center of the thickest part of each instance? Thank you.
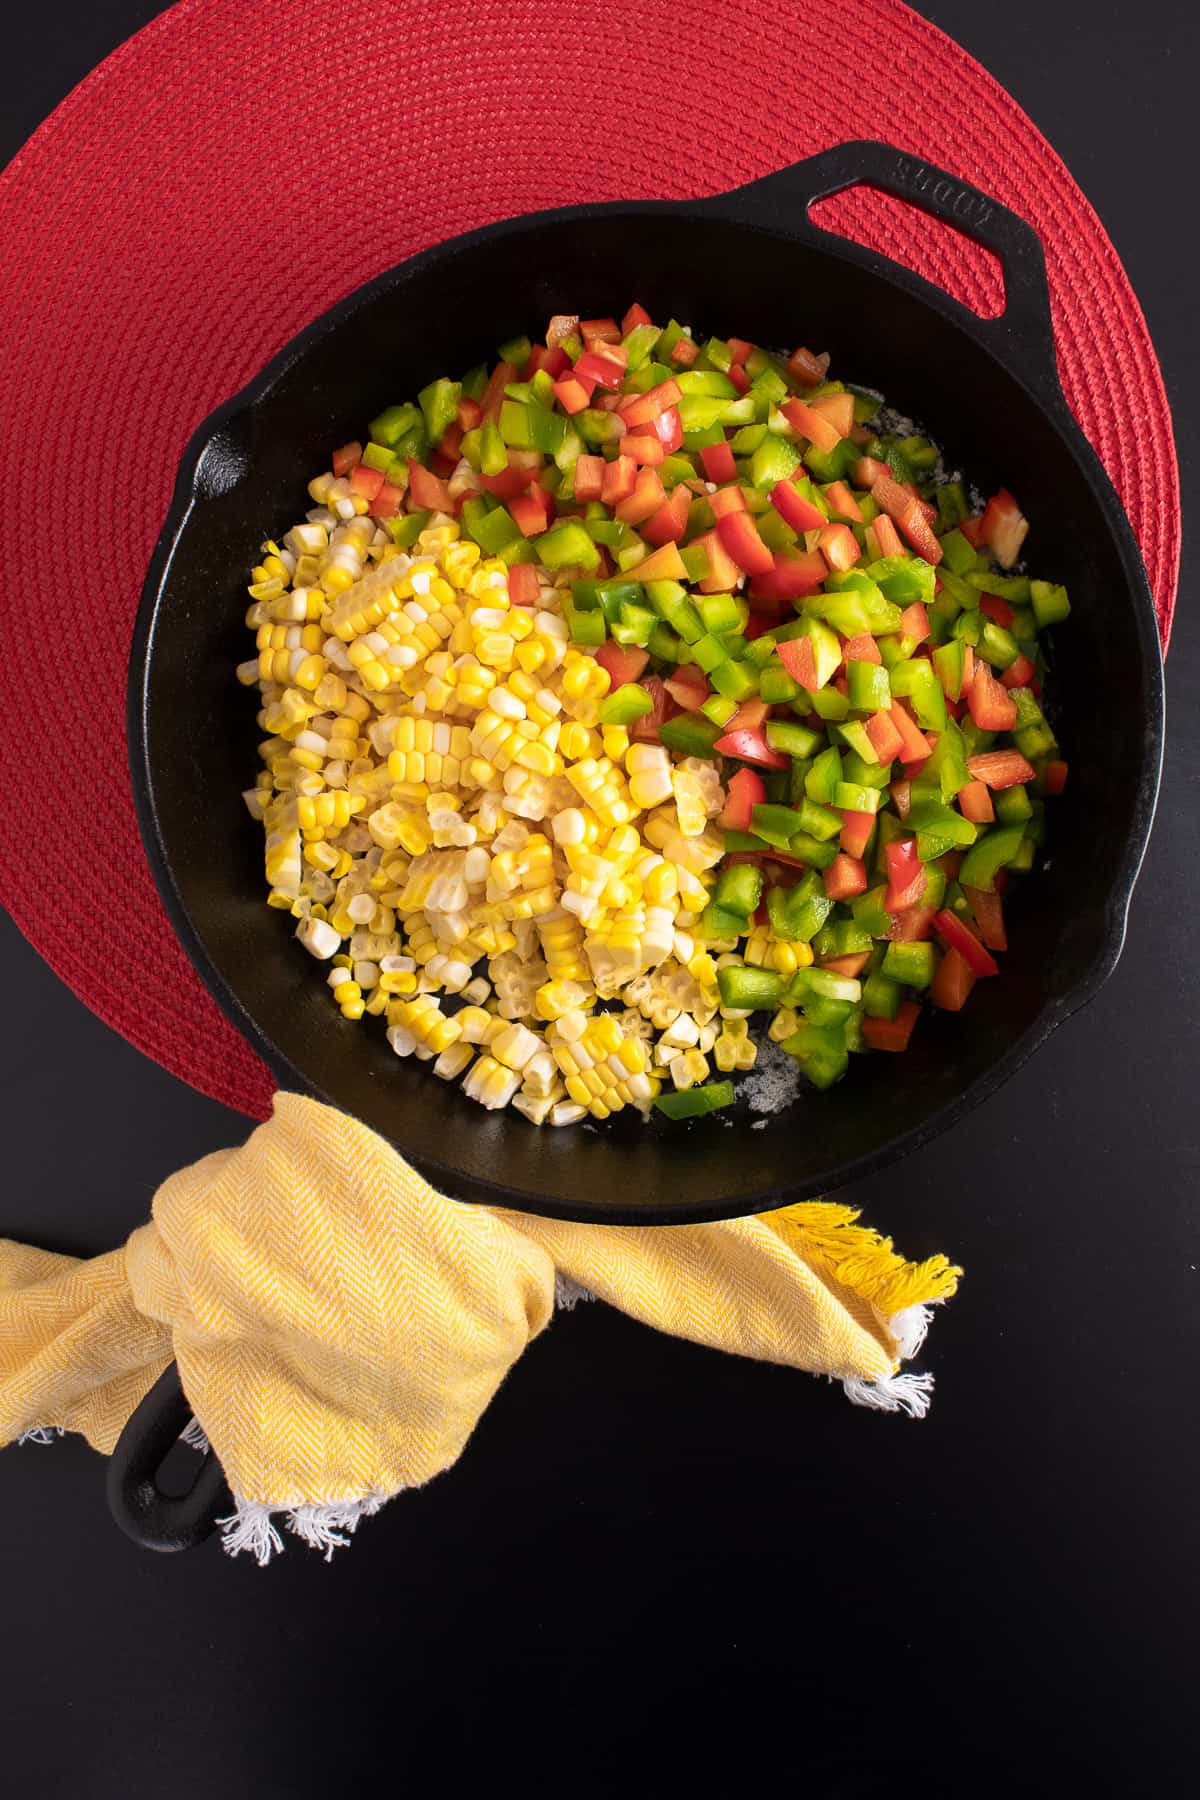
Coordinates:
(636, 696)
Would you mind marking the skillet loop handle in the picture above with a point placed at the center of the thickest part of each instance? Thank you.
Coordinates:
(155, 1520)
(1023, 335)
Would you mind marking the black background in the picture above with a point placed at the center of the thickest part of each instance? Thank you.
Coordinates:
(656, 1568)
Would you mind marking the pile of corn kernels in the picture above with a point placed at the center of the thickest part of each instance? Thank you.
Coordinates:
(475, 858)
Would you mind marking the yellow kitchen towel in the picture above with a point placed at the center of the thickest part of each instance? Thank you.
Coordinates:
(340, 1326)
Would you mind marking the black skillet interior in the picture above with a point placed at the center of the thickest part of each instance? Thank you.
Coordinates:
(748, 263)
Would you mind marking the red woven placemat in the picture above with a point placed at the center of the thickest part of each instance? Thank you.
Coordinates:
(237, 167)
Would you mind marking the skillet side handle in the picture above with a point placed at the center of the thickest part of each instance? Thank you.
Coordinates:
(1023, 334)
(155, 1520)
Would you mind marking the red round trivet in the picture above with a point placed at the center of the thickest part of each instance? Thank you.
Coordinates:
(240, 165)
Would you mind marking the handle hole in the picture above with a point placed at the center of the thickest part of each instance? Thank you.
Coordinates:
(176, 1474)
(969, 272)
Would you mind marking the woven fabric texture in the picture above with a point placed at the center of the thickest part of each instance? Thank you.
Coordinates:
(240, 165)
(340, 1326)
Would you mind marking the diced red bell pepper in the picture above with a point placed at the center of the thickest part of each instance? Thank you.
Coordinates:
(885, 738)
(637, 315)
(806, 368)
(795, 510)
(450, 445)
(717, 462)
(992, 708)
(599, 331)
(523, 584)
(668, 429)
(887, 539)
(663, 564)
(861, 648)
(624, 662)
(841, 499)
(852, 965)
(739, 535)
(727, 500)
(916, 745)
(386, 503)
(687, 694)
(839, 546)
(952, 982)
(867, 471)
(669, 524)
(620, 477)
(644, 447)
(643, 409)
(470, 413)
(561, 326)
(912, 926)
(739, 349)
(739, 378)
(856, 831)
(975, 803)
(1003, 528)
(796, 655)
(572, 394)
(1054, 776)
(968, 671)
(550, 357)
(820, 431)
(907, 511)
(442, 464)
(510, 481)
(685, 352)
(837, 410)
(906, 875)
(347, 458)
(972, 530)
(892, 1034)
(952, 931)
(758, 624)
(493, 394)
(531, 511)
(751, 747)
(996, 609)
(644, 499)
(723, 572)
(845, 877)
(1000, 769)
(988, 909)
(589, 477)
(914, 622)
(645, 729)
(365, 482)
(951, 863)
(791, 577)
(605, 371)
(426, 490)
(751, 715)
(743, 792)
(1018, 674)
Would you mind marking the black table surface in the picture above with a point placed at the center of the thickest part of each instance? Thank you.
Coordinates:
(656, 1567)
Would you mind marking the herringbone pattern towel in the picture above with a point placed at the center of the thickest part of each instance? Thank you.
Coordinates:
(340, 1327)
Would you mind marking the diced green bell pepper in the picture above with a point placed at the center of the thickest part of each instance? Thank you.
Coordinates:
(406, 530)
(625, 704)
(851, 797)
(820, 1051)
(958, 553)
(738, 889)
(867, 687)
(394, 423)
(997, 646)
(1050, 603)
(775, 685)
(694, 1102)
(792, 739)
(940, 821)
(588, 628)
(869, 912)
(690, 735)
(951, 505)
(749, 989)
(881, 996)
(1013, 806)
(719, 709)
(566, 545)
(915, 680)
(820, 784)
(994, 850)
(910, 964)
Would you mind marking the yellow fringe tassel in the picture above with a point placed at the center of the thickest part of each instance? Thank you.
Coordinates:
(826, 1234)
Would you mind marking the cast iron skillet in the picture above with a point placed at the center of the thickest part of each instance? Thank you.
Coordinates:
(749, 261)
